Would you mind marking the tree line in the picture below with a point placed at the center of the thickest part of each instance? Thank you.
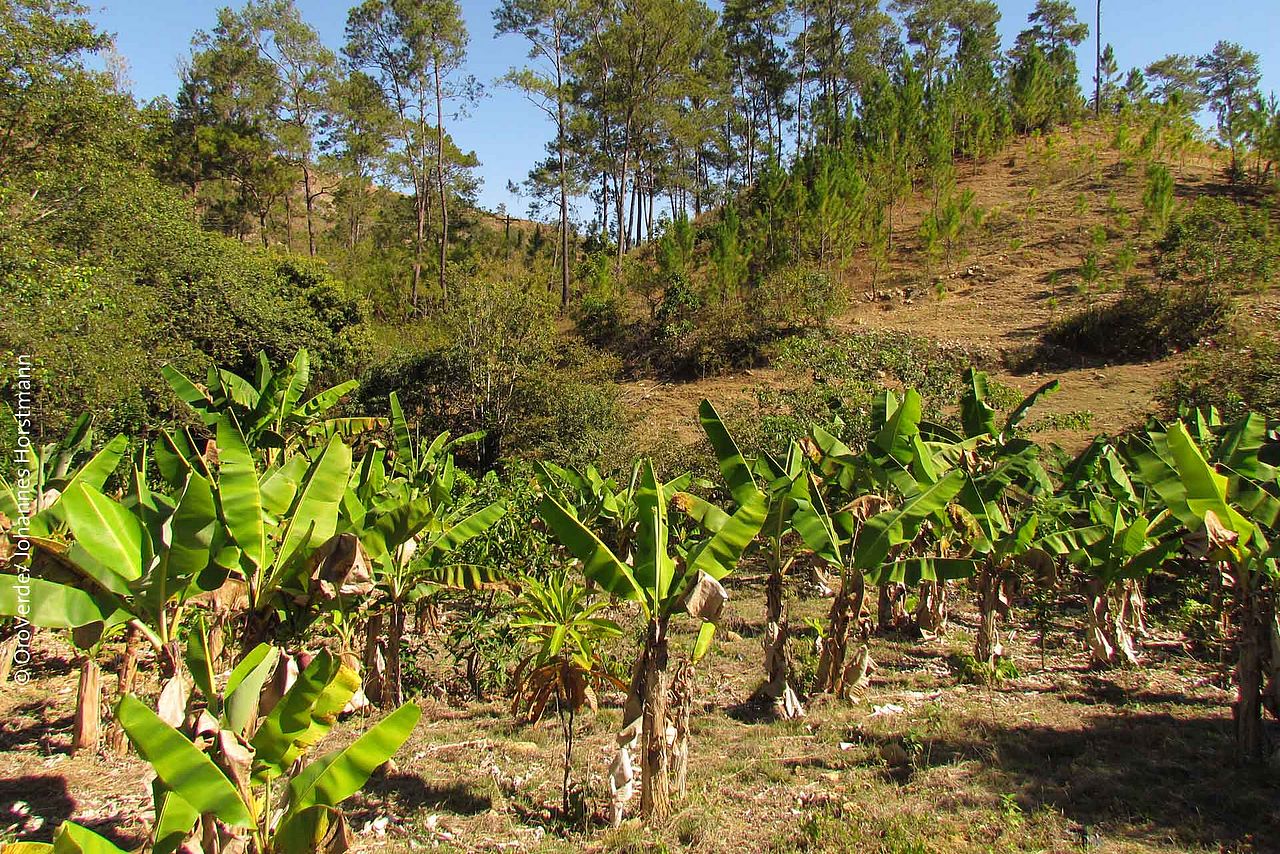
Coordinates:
(661, 109)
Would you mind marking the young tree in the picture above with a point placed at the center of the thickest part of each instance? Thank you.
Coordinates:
(1107, 92)
(1097, 58)
(635, 67)
(225, 127)
(1229, 78)
(760, 79)
(1175, 79)
(848, 44)
(546, 25)
(1056, 33)
(360, 127)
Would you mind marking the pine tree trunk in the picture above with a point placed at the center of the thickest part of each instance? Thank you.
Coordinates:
(86, 733)
(444, 204)
(655, 777)
(309, 199)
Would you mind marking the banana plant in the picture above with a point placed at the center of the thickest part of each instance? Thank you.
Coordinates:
(410, 526)
(560, 620)
(665, 575)
(995, 508)
(783, 484)
(785, 487)
(233, 778)
(1230, 505)
(270, 407)
(417, 459)
(137, 562)
(71, 838)
(280, 520)
(887, 496)
(1113, 532)
(597, 501)
(54, 468)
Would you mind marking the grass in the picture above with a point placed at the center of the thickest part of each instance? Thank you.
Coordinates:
(1035, 761)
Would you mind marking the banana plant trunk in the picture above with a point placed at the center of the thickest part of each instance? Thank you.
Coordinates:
(681, 708)
(8, 649)
(374, 661)
(777, 662)
(1133, 608)
(890, 611)
(393, 690)
(834, 676)
(86, 733)
(117, 740)
(987, 648)
(1271, 698)
(931, 611)
(655, 756)
(1110, 639)
(1253, 648)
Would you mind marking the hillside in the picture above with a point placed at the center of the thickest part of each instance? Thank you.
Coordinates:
(1012, 281)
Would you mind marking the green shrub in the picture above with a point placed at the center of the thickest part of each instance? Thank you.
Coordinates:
(1219, 242)
(599, 318)
(794, 298)
(674, 316)
(1145, 322)
(1239, 374)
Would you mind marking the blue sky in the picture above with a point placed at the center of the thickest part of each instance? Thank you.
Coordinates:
(508, 134)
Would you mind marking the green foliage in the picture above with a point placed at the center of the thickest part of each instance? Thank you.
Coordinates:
(680, 302)
(1145, 321)
(1158, 196)
(1239, 373)
(795, 298)
(675, 248)
(1219, 242)
(226, 768)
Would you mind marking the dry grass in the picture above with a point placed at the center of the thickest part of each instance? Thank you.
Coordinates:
(1058, 759)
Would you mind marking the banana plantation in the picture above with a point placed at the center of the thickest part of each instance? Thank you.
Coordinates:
(254, 579)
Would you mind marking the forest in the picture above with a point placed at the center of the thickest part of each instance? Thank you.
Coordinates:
(866, 436)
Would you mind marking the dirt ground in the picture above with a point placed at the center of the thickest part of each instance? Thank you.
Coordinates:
(1059, 758)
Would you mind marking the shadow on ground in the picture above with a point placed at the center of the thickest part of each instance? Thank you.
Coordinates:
(1136, 774)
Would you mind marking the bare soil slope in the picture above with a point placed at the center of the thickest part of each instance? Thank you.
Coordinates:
(1005, 286)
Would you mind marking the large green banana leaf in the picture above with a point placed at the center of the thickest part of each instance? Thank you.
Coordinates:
(180, 765)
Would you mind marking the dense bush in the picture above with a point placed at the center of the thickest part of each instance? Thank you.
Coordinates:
(1241, 373)
(1145, 322)
(146, 286)
(599, 318)
(794, 298)
(495, 364)
(1217, 241)
(846, 373)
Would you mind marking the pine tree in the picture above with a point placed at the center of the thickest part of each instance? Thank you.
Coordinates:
(1229, 80)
